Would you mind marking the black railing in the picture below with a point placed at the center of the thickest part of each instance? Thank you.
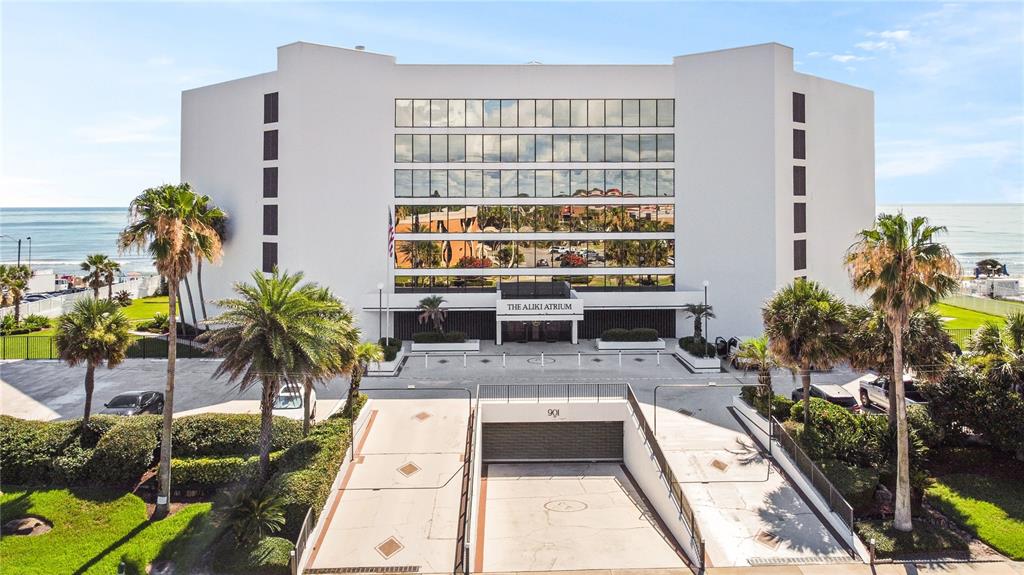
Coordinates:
(685, 509)
(836, 502)
(45, 347)
(300, 542)
(539, 392)
(465, 503)
(960, 335)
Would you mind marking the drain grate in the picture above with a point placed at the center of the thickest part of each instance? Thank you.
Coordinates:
(409, 469)
(768, 539)
(722, 466)
(340, 570)
(757, 561)
(389, 547)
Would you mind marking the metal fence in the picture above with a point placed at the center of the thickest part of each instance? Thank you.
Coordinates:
(984, 304)
(685, 509)
(538, 392)
(836, 502)
(465, 503)
(960, 335)
(45, 347)
(300, 542)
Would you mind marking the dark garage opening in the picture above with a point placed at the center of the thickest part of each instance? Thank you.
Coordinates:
(552, 441)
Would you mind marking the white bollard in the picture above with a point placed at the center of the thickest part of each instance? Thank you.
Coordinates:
(620, 358)
(425, 360)
(503, 359)
(659, 356)
(579, 359)
(463, 359)
(542, 359)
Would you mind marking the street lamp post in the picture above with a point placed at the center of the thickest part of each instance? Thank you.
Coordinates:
(380, 311)
(29, 252)
(706, 334)
(19, 245)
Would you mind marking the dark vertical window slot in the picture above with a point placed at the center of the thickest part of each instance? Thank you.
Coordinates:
(270, 108)
(799, 181)
(270, 220)
(799, 218)
(799, 144)
(269, 182)
(269, 256)
(798, 107)
(800, 254)
(270, 145)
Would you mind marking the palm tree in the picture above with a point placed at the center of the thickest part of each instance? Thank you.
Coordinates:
(905, 270)
(163, 221)
(365, 353)
(14, 281)
(216, 218)
(97, 268)
(1014, 328)
(94, 332)
(276, 332)
(757, 354)
(805, 326)
(334, 365)
(109, 275)
(432, 311)
(699, 311)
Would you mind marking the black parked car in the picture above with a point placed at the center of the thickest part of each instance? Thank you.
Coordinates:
(135, 403)
(831, 393)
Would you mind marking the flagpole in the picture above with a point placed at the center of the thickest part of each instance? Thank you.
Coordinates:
(390, 283)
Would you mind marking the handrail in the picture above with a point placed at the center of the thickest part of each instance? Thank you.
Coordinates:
(685, 509)
(465, 503)
(538, 392)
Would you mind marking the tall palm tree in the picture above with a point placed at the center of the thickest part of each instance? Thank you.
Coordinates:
(163, 221)
(275, 332)
(14, 282)
(97, 268)
(431, 310)
(334, 365)
(757, 354)
(805, 326)
(94, 332)
(216, 218)
(906, 270)
(1014, 328)
(109, 276)
(699, 311)
(365, 354)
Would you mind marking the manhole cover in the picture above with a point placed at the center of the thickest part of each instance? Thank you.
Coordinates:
(685, 411)
(389, 547)
(768, 539)
(409, 469)
(719, 465)
(638, 359)
(565, 505)
(536, 360)
(442, 361)
(596, 360)
(422, 416)
(485, 360)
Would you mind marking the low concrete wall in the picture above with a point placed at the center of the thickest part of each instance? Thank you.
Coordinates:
(652, 345)
(759, 428)
(386, 368)
(469, 345)
(700, 364)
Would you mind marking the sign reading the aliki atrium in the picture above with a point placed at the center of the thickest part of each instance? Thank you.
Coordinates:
(545, 307)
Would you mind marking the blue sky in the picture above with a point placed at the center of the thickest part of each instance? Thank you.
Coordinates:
(91, 92)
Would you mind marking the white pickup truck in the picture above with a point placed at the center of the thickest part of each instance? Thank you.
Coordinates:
(874, 391)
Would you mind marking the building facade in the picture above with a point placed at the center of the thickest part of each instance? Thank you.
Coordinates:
(542, 202)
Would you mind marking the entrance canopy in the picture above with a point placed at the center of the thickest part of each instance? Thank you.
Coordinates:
(539, 310)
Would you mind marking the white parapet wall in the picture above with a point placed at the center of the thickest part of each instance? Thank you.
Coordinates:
(658, 344)
(468, 345)
(699, 364)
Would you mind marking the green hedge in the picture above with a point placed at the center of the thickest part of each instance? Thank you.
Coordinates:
(781, 405)
(268, 557)
(636, 334)
(224, 434)
(125, 452)
(697, 347)
(925, 538)
(857, 484)
(438, 337)
(212, 472)
(391, 347)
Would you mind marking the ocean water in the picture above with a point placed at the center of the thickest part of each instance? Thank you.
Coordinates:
(62, 237)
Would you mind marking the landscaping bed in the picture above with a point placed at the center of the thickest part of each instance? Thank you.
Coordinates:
(988, 507)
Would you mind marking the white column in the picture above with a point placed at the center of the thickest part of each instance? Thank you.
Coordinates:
(574, 339)
(497, 333)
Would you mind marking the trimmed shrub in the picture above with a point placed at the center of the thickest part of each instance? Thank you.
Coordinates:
(781, 405)
(269, 556)
(615, 334)
(125, 452)
(636, 334)
(921, 422)
(35, 322)
(697, 347)
(224, 434)
(213, 472)
(28, 448)
(925, 538)
(391, 347)
(857, 484)
(439, 337)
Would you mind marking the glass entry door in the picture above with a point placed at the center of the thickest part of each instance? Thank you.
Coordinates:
(527, 331)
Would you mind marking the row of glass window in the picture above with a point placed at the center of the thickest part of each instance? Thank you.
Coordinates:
(534, 148)
(533, 183)
(441, 113)
(483, 284)
(526, 218)
(475, 254)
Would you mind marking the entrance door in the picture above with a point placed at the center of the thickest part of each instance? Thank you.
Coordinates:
(526, 331)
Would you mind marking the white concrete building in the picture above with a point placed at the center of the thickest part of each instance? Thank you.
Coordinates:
(622, 189)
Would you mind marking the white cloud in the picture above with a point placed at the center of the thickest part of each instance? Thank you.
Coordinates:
(872, 46)
(817, 54)
(900, 158)
(128, 129)
(847, 58)
(897, 35)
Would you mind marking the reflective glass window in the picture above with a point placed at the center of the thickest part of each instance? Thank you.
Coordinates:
(613, 182)
(595, 182)
(648, 218)
(631, 113)
(456, 113)
(633, 219)
(474, 113)
(543, 108)
(421, 148)
(648, 183)
(492, 183)
(474, 148)
(439, 148)
(421, 113)
(595, 113)
(577, 218)
(526, 184)
(630, 148)
(578, 148)
(456, 184)
(509, 185)
(456, 148)
(613, 147)
(403, 147)
(595, 147)
(492, 148)
(666, 147)
(648, 147)
(560, 187)
(666, 217)
(631, 183)
(561, 113)
(578, 182)
(439, 113)
(403, 113)
(560, 150)
(543, 147)
(492, 113)
(648, 113)
(527, 148)
(613, 113)
(509, 113)
(527, 113)
(403, 183)
(438, 183)
(509, 147)
(543, 183)
(420, 183)
(666, 183)
(666, 112)
(578, 113)
(474, 183)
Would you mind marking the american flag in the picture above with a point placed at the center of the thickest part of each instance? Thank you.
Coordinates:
(391, 235)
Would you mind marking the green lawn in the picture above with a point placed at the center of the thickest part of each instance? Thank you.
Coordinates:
(145, 308)
(962, 318)
(94, 529)
(991, 508)
(924, 539)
